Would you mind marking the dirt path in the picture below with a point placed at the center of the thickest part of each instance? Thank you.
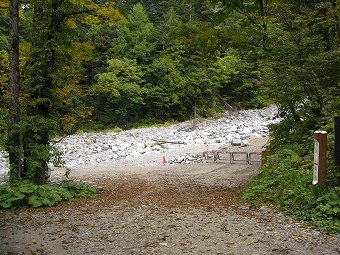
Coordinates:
(156, 209)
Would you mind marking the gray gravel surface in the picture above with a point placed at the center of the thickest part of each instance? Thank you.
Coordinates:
(156, 209)
(134, 216)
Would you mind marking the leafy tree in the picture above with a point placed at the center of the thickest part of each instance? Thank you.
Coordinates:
(166, 96)
(221, 84)
(44, 79)
(119, 92)
(302, 54)
(255, 11)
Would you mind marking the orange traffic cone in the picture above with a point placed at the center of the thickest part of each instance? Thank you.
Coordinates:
(164, 160)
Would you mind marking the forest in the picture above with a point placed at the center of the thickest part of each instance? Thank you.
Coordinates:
(70, 65)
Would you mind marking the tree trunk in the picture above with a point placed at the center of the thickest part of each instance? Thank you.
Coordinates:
(263, 15)
(38, 108)
(14, 143)
(48, 18)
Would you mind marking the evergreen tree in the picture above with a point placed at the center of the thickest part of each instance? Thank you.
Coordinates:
(133, 39)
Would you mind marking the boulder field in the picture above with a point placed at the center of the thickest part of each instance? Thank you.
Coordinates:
(178, 140)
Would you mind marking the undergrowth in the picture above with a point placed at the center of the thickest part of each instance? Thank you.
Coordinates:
(26, 194)
(285, 182)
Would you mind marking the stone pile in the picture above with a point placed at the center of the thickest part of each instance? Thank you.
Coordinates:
(186, 159)
(232, 128)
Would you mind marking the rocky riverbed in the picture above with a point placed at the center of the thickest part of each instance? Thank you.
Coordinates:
(234, 128)
(178, 143)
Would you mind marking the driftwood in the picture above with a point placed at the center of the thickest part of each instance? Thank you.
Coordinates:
(162, 141)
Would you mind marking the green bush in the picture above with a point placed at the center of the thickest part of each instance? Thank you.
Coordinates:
(285, 182)
(27, 194)
(324, 211)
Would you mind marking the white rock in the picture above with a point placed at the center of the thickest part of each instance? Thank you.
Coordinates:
(236, 142)
(256, 135)
(199, 141)
(237, 136)
(156, 147)
(135, 154)
(114, 149)
(180, 159)
(219, 140)
(245, 137)
(233, 128)
(141, 150)
(106, 147)
(245, 143)
(105, 158)
(123, 146)
(140, 145)
(230, 137)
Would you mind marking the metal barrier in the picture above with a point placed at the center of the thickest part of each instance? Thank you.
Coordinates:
(251, 154)
(248, 157)
(221, 152)
(232, 158)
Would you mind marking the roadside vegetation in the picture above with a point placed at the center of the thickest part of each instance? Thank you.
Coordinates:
(26, 194)
(95, 65)
(285, 182)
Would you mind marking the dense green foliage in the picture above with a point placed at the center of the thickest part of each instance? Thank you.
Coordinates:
(25, 194)
(169, 65)
(298, 59)
(49, 98)
(285, 183)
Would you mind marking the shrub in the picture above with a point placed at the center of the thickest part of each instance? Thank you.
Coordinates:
(285, 183)
(25, 194)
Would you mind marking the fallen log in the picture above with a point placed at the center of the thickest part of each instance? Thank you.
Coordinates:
(162, 141)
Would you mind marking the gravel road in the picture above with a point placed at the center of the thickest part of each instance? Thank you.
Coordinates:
(153, 208)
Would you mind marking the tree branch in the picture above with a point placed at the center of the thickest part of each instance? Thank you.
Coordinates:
(81, 12)
(239, 9)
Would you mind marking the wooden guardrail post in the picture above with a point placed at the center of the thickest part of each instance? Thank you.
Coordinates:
(337, 141)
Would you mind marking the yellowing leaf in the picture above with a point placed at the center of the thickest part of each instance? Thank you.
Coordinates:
(91, 19)
(71, 23)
